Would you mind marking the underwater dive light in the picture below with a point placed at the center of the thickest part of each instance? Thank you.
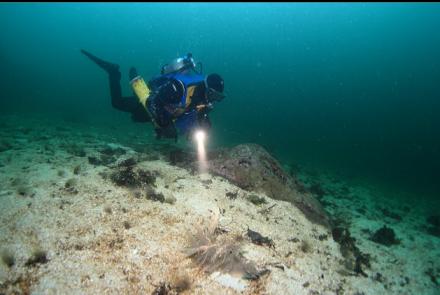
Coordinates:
(200, 137)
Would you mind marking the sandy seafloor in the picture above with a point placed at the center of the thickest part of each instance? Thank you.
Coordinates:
(100, 238)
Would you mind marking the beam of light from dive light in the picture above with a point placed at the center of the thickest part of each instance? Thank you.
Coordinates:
(200, 137)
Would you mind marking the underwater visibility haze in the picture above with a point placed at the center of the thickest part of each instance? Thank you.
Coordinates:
(350, 90)
(344, 86)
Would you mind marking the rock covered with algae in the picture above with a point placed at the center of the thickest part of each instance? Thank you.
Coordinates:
(251, 167)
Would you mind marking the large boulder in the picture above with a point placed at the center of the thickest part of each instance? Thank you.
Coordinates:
(251, 167)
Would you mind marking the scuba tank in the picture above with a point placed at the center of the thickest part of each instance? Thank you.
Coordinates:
(181, 64)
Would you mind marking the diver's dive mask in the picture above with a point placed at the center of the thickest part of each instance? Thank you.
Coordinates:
(214, 95)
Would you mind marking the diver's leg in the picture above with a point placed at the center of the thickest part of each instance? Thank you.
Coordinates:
(128, 104)
(114, 79)
(105, 65)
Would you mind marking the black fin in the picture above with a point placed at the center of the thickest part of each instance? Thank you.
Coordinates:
(109, 67)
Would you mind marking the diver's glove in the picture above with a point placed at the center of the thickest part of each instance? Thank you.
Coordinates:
(204, 108)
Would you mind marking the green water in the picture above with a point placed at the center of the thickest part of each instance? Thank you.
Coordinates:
(353, 88)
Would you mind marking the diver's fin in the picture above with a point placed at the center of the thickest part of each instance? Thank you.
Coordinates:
(109, 67)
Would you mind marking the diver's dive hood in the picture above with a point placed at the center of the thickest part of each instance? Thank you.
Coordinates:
(180, 64)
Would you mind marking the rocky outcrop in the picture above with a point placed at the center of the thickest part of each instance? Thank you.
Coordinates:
(251, 167)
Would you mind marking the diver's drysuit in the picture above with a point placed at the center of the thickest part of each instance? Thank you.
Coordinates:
(128, 104)
(173, 99)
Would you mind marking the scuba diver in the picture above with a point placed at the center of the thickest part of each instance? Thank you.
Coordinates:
(177, 101)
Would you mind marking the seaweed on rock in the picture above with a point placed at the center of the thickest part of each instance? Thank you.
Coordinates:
(385, 236)
(355, 260)
(38, 257)
(8, 258)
